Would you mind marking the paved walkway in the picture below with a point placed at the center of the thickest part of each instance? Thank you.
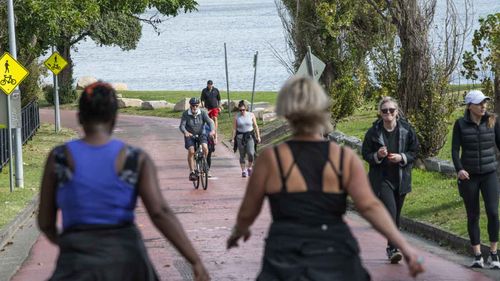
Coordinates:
(208, 216)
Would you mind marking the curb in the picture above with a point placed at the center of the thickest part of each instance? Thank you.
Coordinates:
(8, 231)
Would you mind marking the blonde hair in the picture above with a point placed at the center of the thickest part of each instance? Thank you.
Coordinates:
(304, 103)
(392, 100)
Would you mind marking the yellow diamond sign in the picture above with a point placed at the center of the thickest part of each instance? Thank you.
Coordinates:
(55, 63)
(12, 73)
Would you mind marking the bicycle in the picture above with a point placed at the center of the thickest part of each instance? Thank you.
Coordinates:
(201, 166)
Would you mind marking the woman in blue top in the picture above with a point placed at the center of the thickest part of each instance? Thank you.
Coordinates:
(95, 182)
(307, 180)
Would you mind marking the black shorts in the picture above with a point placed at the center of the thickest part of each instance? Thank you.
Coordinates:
(189, 141)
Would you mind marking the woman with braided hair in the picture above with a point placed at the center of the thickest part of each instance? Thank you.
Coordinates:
(94, 181)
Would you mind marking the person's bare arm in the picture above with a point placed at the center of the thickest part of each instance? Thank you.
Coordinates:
(256, 127)
(368, 205)
(163, 217)
(47, 210)
(252, 201)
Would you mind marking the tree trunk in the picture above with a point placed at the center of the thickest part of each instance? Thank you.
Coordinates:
(415, 60)
(496, 87)
(65, 77)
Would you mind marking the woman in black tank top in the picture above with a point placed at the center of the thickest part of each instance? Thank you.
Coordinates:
(307, 180)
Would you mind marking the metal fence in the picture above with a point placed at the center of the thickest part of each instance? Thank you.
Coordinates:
(30, 122)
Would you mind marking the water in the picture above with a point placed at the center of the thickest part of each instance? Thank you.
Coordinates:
(190, 49)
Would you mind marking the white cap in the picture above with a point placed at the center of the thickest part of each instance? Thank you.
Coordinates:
(475, 97)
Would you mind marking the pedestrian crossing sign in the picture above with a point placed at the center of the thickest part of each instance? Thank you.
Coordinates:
(12, 73)
(55, 63)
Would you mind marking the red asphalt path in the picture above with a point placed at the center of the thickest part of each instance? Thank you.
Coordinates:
(208, 216)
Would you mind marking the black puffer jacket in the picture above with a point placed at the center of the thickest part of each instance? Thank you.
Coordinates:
(477, 143)
(408, 146)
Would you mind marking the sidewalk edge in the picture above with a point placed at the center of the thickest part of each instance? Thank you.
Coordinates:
(10, 229)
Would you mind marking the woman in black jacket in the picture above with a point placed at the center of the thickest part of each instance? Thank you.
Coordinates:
(477, 133)
(390, 147)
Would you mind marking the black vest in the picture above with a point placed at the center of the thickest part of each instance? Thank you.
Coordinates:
(478, 146)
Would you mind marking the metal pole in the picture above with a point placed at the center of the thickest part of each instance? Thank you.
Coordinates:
(254, 77)
(227, 82)
(11, 156)
(19, 142)
(310, 66)
(56, 102)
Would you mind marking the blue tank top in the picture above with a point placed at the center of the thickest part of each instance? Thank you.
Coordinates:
(94, 194)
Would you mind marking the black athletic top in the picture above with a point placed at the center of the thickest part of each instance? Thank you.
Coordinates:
(313, 206)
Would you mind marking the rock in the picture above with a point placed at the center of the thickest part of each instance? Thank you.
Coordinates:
(155, 104)
(182, 105)
(125, 102)
(119, 86)
(268, 117)
(118, 95)
(84, 81)
(262, 105)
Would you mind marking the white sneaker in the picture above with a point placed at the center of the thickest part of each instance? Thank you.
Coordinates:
(478, 262)
(494, 261)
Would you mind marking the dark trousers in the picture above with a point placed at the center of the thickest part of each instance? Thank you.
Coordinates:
(469, 190)
(393, 202)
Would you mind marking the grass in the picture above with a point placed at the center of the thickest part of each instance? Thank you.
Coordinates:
(34, 155)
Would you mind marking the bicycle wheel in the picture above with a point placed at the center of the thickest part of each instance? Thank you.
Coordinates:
(196, 183)
(204, 173)
(13, 81)
(2, 82)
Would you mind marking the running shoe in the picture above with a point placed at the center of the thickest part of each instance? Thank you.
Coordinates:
(478, 262)
(209, 174)
(192, 176)
(494, 261)
(243, 174)
(249, 171)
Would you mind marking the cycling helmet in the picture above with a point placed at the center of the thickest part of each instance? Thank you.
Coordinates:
(194, 101)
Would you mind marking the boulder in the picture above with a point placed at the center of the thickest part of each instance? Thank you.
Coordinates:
(125, 102)
(119, 86)
(155, 104)
(118, 95)
(262, 104)
(84, 81)
(182, 104)
(268, 117)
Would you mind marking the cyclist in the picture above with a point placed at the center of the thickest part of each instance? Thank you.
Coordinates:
(192, 123)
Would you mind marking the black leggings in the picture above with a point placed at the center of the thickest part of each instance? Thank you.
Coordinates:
(469, 190)
(393, 202)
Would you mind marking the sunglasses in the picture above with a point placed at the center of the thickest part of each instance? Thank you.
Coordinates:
(387, 110)
(194, 105)
(242, 110)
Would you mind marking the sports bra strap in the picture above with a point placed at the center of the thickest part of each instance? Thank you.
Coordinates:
(282, 176)
(341, 169)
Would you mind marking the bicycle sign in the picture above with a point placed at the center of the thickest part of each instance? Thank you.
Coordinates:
(12, 73)
(55, 63)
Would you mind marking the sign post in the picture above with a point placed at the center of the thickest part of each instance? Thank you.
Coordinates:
(254, 78)
(311, 65)
(227, 83)
(56, 63)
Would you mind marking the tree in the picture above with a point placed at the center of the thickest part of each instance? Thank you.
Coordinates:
(425, 67)
(63, 23)
(340, 33)
(485, 57)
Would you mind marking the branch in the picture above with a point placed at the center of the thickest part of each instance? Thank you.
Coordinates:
(77, 39)
(380, 12)
(153, 21)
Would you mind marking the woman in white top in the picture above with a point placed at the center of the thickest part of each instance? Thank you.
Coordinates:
(245, 135)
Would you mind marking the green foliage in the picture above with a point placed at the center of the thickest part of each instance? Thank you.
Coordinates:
(48, 94)
(67, 94)
(340, 33)
(485, 55)
(30, 87)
